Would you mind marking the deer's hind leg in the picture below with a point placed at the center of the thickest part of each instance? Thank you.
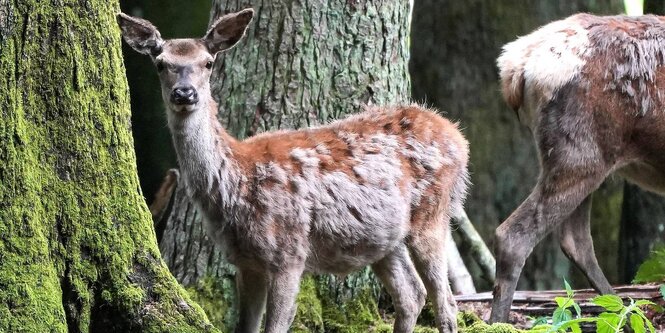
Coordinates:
(252, 290)
(576, 243)
(399, 276)
(427, 247)
(283, 290)
(556, 196)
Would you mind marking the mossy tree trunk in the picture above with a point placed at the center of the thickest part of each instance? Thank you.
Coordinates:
(302, 63)
(454, 50)
(77, 247)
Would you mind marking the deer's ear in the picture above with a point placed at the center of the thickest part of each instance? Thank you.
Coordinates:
(228, 30)
(140, 34)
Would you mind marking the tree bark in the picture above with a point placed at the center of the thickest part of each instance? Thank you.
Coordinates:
(308, 62)
(77, 247)
(454, 50)
(642, 228)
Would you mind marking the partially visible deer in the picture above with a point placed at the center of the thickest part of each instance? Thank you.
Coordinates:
(592, 91)
(374, 189)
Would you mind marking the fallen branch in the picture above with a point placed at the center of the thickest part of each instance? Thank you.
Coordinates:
(472, 241)
(459, 276)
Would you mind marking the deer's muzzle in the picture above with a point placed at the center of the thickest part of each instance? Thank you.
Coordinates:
(184, 96)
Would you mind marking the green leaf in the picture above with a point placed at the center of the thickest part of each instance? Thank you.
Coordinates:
(653, 306)
(578, 311)
(653, 269)
(563, 302)
(575, 328)
(569, 290)
(561, 315)
(539, 321)
(607, 322)
(572, 325)
(649, 324)
(543, 328)
(662, 290)
(637, 323)
(609, 302)
(643, 302)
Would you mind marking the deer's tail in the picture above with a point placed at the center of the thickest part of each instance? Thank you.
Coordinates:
(511, 64)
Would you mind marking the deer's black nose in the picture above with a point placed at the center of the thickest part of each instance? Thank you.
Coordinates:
(184, 96)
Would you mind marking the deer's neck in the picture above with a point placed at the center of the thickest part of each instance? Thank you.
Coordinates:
(205, 155)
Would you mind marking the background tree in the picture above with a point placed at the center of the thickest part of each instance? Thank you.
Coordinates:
(77, 247)
(454, 47)
(643, 213)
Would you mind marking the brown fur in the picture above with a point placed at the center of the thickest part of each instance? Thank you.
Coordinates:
(377, 188)
(600, 110)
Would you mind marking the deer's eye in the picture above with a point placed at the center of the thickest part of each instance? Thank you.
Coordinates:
(209, 64)
(160, 66)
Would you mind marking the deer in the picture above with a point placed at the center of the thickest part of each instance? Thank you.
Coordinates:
(375, 189)
(590, 89)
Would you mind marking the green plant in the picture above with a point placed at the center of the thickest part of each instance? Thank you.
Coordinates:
(562, 319)
(652, 269)
(612, 320)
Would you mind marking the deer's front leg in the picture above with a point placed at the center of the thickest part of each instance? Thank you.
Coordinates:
(284, 285)
(252, 287)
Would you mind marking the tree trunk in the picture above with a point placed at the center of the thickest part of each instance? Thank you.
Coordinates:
(77, 246)
(308, 62)
(643, 213)
(642, 228)
(454, 50)
(301, 64)
(654, 7)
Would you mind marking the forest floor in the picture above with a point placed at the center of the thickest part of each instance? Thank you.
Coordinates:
(529, 305)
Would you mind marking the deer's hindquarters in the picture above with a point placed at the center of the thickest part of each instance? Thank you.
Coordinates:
(590, 88)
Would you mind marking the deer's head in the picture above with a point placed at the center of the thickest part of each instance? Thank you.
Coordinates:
(184, 65)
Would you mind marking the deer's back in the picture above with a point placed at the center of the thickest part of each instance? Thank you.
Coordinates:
(355, 187)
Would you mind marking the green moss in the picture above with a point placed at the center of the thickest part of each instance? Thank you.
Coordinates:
(359, 314)
(318, 314)
(494, 328)
(425, 329)
(470, 323)
(309, 314)
(77, 247)
(216, 297)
